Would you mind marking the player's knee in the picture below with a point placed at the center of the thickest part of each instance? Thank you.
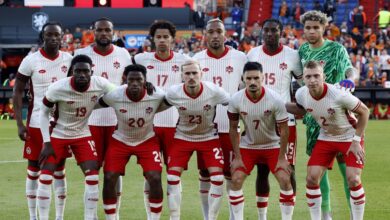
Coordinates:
(312, 180)
(154, 179)
(237, 180)
(284, 181)
(353, 180)
(217, 178)
(204, 173)
(110, 179)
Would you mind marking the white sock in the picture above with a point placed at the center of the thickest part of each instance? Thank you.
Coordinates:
(146, 198)
(314, 200)
(262, 206)
(91, 195)
(44, 195)
(31, 191)
(286, 200)
(60, 189)
(228, 187)
(204, 187)
(357, 201)
(155, 208)
(215, 194)
(109, 206)
(174, 194)
(236, 199)
(118, 195)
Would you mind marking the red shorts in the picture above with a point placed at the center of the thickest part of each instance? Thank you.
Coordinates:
(209, 151)
(227, 150)
(292, 145)
(147, 153)
(34, 143)
(251, 157)
(165, 137)
(101, 135)
(325, 151)
(82, 148)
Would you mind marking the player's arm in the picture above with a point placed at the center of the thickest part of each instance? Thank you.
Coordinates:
(363, 115)
(234, 138)
(20, 85)
(101, 104)
(295, 108)
(47, 150)
(281, 118)
(164, 105)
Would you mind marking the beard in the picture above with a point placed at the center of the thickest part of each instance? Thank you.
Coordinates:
(103, 43)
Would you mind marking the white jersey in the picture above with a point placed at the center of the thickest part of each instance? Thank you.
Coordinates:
(196, 115)
(278, 70)
(224, 71)
(135, 117)
(75, 107)
(110, 66)
(332, 111)
(259, 117)
(163, 74)
(42, 71)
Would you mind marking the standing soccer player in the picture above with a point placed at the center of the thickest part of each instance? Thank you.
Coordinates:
(196, 102)
(280, 63)
(337, 67)
(260, 109)
(135, 111)
(340, 132)
(163, 68)
(74, 97)
(223, 66)
(109, 61)
(41, 68)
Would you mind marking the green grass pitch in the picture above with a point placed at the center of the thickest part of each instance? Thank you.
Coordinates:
(376, 176)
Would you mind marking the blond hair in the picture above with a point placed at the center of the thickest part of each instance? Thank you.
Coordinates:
(190, 62)
(314, 15)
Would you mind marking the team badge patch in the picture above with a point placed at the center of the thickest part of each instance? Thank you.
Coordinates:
(267, 112)
(94, 98)
(117, 65)
(207, 107)
(175, 68)
(229, 69)
(64, 69)
(283, 66)
(149, 110)
(331, 111)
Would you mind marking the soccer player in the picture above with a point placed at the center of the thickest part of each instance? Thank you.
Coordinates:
(109, 61)
(260, 109)
(196, 102)
(280, 63)
(163, 68)
(337, 67)
(223, 66)
(340, 132)
(41, 68)
(135, 111)
(74, 98)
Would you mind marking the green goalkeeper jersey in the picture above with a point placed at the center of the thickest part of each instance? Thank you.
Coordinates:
(337, 61)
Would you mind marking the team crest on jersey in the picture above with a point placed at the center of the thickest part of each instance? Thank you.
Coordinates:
(283, 66)
(42, 71)
(205, 69)
(207, 107)
(175, 68)
(28, 150)
(309, 110)
(244, 113)
(181, 108)
(94, 98)
(69, 102)
(64, 69)
(122, 110)
(117, 65)
(267, 112)
(150, 67)
(149, 110)
(331, 111)
(229, 69)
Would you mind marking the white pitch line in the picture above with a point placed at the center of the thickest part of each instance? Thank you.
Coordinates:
(12, 161)
(9, 139)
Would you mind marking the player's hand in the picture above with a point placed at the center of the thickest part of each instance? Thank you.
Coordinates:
(150, 88)
(22, 132)
(46, 152)
(358, 151)
(346, 85)
(283, 165)
(236, 164)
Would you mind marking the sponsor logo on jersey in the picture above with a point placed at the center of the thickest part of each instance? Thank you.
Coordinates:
(28, 150)
(122, 110)
(267, 112)
(175, 68)
(207, 107)
(149, 110)
(94, 98)
(42, 71)
(309, 110)
(64, 69)
(69, 102)
(117, 65)
(331, 111)
(229, 69)
(182, 108)
(283, 66)
(150, 67)
(205, 69)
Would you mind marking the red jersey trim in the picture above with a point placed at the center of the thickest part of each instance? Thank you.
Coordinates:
(217, 57)
(233, 116)
(197, 95)
(164, 60)
(282, 120)
(323, 93)
(44, 54)
(253, 100)
(136, 100)
(101, 53)
(72, 84)
(269, 53)
(47, 103)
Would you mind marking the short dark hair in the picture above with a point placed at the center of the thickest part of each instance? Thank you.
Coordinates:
(135, 67)
(274, 21)
(50, 23)
(79, 59)
(102, 19)
(162, 24)
(253, 66)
